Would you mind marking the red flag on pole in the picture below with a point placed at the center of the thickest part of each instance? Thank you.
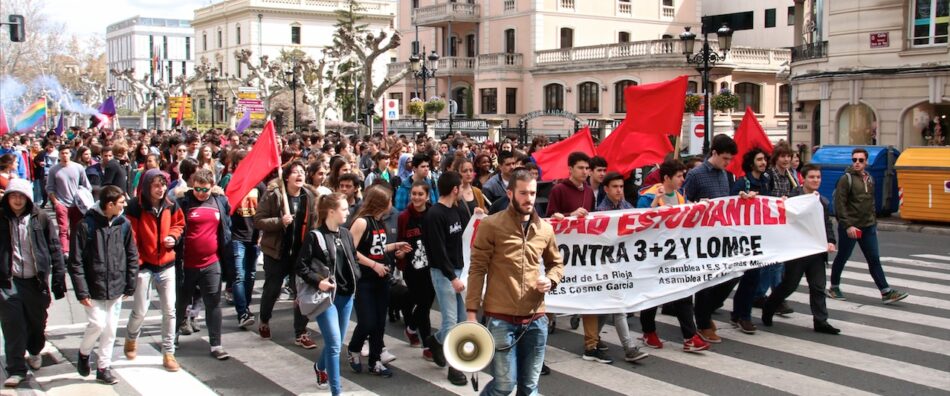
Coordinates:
(658, 107)
(260, 162)
(626, 149)
(553, 159)
(654, 111)
(749, 135)
(4, 128)
(181, 110)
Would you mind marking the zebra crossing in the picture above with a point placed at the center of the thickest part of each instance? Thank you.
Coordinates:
(899, 349)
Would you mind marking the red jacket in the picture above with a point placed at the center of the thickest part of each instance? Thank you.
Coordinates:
(149, 230)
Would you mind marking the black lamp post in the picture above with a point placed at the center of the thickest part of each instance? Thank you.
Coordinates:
(423, 70)
(211, 83)
(291, 74)
(706, 58)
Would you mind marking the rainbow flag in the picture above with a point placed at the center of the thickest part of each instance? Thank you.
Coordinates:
(31, 117)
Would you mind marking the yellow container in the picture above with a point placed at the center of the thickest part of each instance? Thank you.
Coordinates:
(923, 175)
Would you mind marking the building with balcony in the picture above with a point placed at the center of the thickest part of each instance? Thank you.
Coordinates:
(556, 64)
(137, 41)
(870, 73)
(267, 27)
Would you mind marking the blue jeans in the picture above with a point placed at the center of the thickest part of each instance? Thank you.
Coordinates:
(520, 365)
(869, 248)
(769, 277)
(333, 324)
(453, 312)
(245, 270)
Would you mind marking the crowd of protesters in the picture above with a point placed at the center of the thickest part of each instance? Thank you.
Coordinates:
(366, 218)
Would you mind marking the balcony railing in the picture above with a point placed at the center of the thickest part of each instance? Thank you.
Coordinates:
(567, 4)
(634, 49)
(456, 65)
(810, 51)
(446, 12)
(509, 6)
(758, 56)
(667, 12)
(500, 61)
(394, 68)
(372, 7)
(625, 8)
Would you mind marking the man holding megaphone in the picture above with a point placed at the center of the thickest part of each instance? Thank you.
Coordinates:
(508, 246)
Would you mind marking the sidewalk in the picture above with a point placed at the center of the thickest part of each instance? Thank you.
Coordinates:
(895, 223)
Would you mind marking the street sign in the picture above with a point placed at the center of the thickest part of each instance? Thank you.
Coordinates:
(248, 100)
(175, 103)
(880, 40)
(392, 109)
(700, 131)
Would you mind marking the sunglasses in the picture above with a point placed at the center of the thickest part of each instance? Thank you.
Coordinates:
(202, 189)
(861, 160)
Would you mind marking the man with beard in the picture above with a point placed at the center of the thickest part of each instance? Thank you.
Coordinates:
(505, 262)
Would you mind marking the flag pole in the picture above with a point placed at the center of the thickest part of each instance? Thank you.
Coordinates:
(679, 146)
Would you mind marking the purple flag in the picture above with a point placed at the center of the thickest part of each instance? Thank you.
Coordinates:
(59, 126)
(108, 107)
(244, 123)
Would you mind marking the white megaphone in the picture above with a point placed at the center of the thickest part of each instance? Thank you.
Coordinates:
(469, 347)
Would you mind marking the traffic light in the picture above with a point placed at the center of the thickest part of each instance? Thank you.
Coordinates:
(17, 28)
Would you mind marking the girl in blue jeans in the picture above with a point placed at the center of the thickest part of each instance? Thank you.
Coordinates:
(327, 261)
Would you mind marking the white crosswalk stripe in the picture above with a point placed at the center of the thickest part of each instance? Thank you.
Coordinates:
(932, 256)
(288, 370)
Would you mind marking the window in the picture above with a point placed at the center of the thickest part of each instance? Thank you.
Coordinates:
(220, 39)
(791, 16)
(623, 37)
(620, 106)
(510, 41)
(415, 4)
(784, 97)
(930, 21)
(692, 87)
(187, 48)
(553, 97)
(489, 100)
(749, 96)
(184, 68)
(415, 47)
(511, 100)
(567, 38)
(151, 50)
(857, 125)
(470, 50)
(588, 98)
(165, 47)
(770, 18)
(667, 3)
(453, 46)
(237, 35)
(220, 68)
(204, 41)
(170, 73)
(239, 68)
(295, 34)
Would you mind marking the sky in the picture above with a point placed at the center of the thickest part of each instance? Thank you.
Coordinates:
(89, 17)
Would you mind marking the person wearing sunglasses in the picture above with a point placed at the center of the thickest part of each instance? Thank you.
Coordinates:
(854, 208)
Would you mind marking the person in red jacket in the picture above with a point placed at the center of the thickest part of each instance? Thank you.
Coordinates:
(157, 223)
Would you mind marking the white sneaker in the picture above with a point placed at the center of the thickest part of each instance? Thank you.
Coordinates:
(13, 381)
(365, 351)
(34, 361)
(386, 357)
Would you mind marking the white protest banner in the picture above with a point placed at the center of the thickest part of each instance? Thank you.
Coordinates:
(630, 260)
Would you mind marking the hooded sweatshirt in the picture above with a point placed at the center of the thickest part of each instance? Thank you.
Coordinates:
(151, 225)
(566, 197)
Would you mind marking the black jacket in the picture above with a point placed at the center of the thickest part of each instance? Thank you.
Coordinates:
(103, 261)
(312, 264)
(225, 251)
(47, 252)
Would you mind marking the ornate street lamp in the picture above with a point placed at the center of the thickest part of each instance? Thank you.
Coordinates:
(211, 83)
(291, 75)
(424, 70)
(706, 58)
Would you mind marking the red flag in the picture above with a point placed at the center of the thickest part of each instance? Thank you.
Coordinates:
(656, 108)
(4, 128)
(181, 110)
(260, 162)
(749, 135)
(553, 159)
(626, 149)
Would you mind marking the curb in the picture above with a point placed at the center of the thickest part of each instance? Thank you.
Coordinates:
(910, 227)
